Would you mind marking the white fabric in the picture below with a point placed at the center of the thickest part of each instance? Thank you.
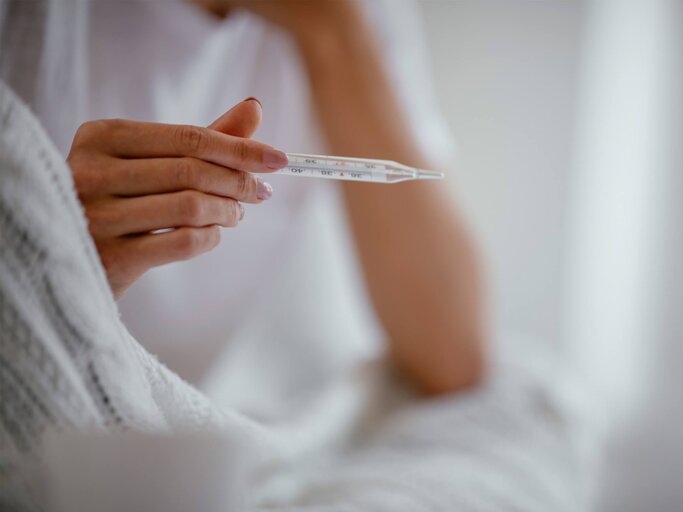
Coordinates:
(43, 51)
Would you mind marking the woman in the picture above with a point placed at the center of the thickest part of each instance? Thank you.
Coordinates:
(238, 320)
(430, 311)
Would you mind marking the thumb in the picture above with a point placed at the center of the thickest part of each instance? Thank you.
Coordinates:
(241, 120)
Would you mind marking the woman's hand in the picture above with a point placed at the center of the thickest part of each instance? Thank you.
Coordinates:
(135, 179)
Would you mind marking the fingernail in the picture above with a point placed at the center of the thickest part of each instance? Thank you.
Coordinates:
(241, 211)
(274, 159)
(251, 98)
(263, 189)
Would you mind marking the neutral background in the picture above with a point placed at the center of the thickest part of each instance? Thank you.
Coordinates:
(506, 77)
(568, 116)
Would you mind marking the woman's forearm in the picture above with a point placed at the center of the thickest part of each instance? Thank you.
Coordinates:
(415, 252)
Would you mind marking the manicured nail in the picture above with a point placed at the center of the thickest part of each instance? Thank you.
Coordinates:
(241, 211)
(251, 98)
(263, 189)
(274, 159)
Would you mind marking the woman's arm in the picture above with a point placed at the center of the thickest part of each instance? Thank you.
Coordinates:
(417, 256)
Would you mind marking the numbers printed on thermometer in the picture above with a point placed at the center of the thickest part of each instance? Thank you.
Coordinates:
(324, 172)
(353, 169)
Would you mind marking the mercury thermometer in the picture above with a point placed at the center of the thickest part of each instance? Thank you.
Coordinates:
(353, 169)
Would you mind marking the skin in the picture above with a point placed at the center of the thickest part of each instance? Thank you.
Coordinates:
(135, 178)
(432, 311)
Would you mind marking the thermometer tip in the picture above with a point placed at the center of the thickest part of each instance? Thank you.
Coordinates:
(430, 175)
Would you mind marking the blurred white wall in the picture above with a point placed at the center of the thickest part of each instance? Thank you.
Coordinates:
(568, 116)
(506, 76)
(624, 293)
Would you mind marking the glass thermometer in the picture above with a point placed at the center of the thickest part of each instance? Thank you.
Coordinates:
(354, 169)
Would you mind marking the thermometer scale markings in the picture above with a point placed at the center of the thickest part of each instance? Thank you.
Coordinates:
(353, 169)
(320, 168)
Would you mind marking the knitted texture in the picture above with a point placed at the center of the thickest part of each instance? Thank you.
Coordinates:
(66, 361)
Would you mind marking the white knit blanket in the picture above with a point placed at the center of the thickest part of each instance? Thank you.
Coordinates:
(67, 362)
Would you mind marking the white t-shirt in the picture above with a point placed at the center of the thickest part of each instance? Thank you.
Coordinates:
(282, 291)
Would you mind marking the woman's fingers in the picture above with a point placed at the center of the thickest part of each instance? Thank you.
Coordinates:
(179, 244)
(126, 259)
(133, 139)
(242, 120)
(140, 177)
(136, 178)
(189, 208)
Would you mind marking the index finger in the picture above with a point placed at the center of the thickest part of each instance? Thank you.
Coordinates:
(134, 139)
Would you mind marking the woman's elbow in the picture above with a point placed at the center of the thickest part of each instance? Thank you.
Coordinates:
(466, 373)
(447, 368)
